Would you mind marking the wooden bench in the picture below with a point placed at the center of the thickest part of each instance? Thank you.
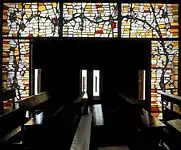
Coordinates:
(148, 120)
(171, 106)
(63, 124)
(12, 123)
(34, 101)
(149, 128)
(176, 124)
(151, 121)
(152, 130)
(57, 130)
(83, 134)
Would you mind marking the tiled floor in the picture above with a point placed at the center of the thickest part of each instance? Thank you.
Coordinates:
(114, 148)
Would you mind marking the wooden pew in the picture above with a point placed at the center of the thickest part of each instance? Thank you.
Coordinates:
(11, 125)
(146, 130)
(83, 130)
(66, 119)
(33, 102)
(148, 120)
(57, 130)
(64, 122)
(152, 131)
(171, 106)
(134, 110)
(151, 121)
(83, 134)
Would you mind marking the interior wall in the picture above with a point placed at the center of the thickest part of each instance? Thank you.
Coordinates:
(62, 60)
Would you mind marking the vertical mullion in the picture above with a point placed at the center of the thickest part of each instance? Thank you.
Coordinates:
(179, 65)
(38, 12)
(96, 84)
(60, 31)
(148, 78)
(119, 19)
(31, 73)
(1, 53)
(90, 83)
(80, 81)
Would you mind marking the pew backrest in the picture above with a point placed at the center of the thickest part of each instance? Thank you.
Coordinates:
(151, 121)
(171, 98)
(171, 106)
(10, 124)
(33, 101)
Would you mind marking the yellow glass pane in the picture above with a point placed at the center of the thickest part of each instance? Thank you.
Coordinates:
(54, 4)
(27, 6)
(41, 8)
(70, 10)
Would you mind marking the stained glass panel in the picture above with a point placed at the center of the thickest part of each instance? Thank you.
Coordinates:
(164, 72)
(22, 20)
(49, 14)
(15, 62)
(148, 20)
(166, 24)
(12, 16)
(30, 19)
(138, 20)
(90, 20)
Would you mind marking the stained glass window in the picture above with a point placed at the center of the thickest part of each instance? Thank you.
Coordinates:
(90, 20)
(138, 20)
(15, 62)
(164, 72)
(30, 19)
(148, 20)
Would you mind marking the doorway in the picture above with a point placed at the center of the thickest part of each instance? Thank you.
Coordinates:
(62, 59)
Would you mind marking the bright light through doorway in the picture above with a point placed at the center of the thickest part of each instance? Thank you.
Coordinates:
(96, 82)
(84, 83)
